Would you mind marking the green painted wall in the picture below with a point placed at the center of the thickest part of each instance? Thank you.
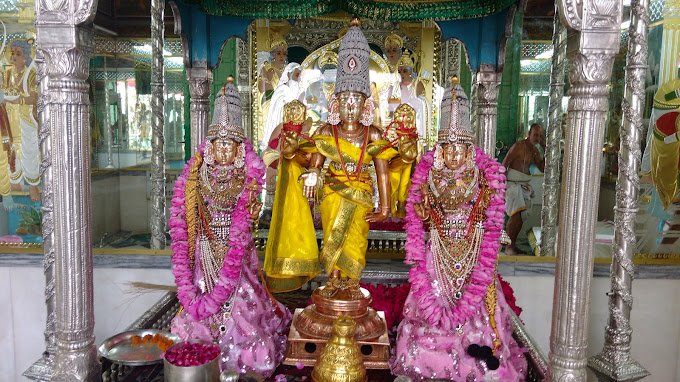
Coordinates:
(508, 96)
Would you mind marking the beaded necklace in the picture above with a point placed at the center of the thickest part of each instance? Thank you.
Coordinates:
(455, 242)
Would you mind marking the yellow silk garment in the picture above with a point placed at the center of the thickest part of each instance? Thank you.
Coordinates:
(346, 200)
(291, 256)
(400, 181)
(664, 161)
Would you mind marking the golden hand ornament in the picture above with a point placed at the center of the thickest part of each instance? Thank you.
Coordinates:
(423, 209)
(254, 205)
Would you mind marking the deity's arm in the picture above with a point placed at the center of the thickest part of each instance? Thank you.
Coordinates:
(408, 150)
(383, 180)
(316, 161)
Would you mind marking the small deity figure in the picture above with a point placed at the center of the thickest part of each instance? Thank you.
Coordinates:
(409, 90)
(393, 50)
(271, 65)
(294, 237)
(20, 154)
(214, 258)
(319, 92)
(403, 136)
(286, 91)
(457, 324)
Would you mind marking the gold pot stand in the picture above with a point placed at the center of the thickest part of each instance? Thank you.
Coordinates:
(306, 350)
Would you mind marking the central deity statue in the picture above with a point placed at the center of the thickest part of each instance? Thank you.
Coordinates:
(348, 144)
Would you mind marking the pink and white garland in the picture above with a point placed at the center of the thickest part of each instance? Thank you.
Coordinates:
(202, 305)
(434, 308)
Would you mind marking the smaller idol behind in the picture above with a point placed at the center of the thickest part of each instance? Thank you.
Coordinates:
(456, 321)
(403, 136)
(213, 255)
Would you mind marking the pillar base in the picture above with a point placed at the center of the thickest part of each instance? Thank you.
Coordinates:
(607, 371)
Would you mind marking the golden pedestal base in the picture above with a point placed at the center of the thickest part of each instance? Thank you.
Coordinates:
(316, 320)
(376, 353)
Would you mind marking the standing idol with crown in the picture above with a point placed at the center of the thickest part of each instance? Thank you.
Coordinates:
(348, 144)
(456, 322)
(213, 255)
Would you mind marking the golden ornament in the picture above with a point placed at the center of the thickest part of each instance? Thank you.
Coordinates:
(340, 360)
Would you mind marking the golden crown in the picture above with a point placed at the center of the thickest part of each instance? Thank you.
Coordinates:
(393, 40)
(407, 59)
(277, 41)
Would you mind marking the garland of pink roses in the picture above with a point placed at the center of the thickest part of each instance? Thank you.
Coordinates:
(202, 305)
(433, 308)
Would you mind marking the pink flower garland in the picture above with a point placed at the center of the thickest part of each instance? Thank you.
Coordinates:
(202, 305)
(434, 308)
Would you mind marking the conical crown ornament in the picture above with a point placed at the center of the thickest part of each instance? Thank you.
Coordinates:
(340, 360)
(353, 58)
(226, 122)
(455, 125)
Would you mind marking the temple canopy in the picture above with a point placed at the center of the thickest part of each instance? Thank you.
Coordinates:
(391, 10)
(479, 24)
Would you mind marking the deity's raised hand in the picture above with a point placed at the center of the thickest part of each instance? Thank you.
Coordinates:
(423, 209)
(254, 205)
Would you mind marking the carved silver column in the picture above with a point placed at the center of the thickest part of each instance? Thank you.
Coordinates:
(592, 44)
(107, 121)
(66, 42)
(157, 221)
(486, 84)
(553, 154)
(614, 363)
(199, 93)
(43, 368)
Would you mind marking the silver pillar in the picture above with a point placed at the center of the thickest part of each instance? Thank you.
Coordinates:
(65, 39)
(42, 369)
(157, 221)
(553, 154)
(107, 120)
(486, 84)
(592, 42)
(614, 362)
(199, 93)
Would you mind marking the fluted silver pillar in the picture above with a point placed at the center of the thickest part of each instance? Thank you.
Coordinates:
(614, 363)
(486, 84)
(43, 368)
(553, 154)
(592, 42)
(199, 93)
(65, 39)
(157, 220)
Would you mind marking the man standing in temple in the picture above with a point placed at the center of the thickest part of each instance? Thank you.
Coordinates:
(518, 192)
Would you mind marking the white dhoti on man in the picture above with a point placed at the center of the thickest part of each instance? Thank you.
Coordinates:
(518, 192)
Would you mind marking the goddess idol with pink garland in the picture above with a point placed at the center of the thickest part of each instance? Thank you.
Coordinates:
(456, 322)
(213, 255)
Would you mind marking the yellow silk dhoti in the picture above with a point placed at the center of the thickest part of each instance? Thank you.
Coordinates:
(347, 197)
(291, 255)
(400, 181)
(665, 157)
